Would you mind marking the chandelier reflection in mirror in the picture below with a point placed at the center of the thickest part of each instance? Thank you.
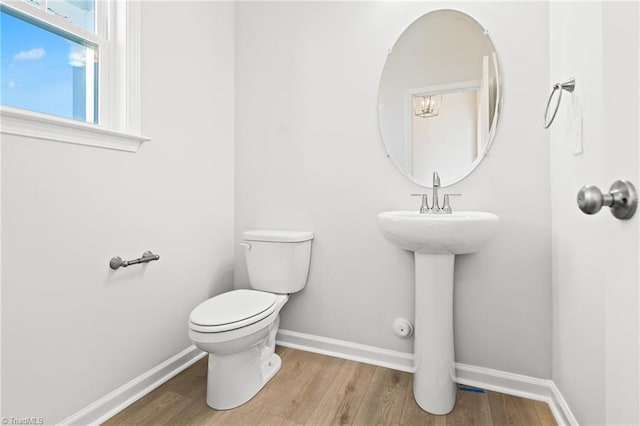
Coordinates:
(426, 106)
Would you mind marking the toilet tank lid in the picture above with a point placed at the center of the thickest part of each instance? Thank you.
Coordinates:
(277, 236)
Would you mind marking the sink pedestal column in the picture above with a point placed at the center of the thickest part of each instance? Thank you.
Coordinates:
(433, 387)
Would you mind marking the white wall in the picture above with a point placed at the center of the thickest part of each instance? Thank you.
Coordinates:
(595, 258)
(73, 330)
(309, 156)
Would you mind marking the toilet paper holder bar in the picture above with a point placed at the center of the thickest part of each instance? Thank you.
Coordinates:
(117, 261)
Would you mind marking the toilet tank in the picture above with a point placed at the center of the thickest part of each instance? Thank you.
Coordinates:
(278, 261)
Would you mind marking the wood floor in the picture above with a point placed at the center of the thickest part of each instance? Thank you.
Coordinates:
(312, 389)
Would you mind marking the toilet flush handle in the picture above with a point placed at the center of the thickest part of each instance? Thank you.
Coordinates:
(246, 246)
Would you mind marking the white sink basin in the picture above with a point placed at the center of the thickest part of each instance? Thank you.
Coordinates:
(456, 233)
(435, 239)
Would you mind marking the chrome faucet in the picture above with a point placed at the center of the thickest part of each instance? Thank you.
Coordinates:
(435, 207)
(436, 184)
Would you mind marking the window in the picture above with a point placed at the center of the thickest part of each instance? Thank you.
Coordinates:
(68, 71)
(47, 71)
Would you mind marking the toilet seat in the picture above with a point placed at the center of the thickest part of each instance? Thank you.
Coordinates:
(232, 310)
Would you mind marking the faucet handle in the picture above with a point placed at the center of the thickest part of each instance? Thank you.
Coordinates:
(424, 207)
(446, 208)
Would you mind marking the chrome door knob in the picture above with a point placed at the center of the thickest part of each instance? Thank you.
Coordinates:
(622, 199)
(591, 199)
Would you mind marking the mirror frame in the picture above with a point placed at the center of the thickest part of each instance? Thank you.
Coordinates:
(496, 118)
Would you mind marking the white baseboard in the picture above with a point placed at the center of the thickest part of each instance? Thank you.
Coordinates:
(121, 398)
(485, 378)
(518, 385)
(347, 350)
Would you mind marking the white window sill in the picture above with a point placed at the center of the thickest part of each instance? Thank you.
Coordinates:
(29, 124)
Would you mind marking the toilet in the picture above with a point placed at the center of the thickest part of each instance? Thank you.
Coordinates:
(238, 328)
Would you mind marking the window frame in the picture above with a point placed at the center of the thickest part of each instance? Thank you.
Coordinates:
(118, 41)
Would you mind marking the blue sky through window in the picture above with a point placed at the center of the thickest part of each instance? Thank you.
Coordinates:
(41, 70)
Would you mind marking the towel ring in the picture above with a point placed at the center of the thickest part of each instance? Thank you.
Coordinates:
(569, 86)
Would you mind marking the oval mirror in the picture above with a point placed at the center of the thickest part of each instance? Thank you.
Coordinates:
(439, 98)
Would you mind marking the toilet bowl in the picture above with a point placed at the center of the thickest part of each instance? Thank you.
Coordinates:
(238, 328)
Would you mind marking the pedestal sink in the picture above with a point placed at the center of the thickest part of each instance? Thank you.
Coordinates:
(436, 239)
